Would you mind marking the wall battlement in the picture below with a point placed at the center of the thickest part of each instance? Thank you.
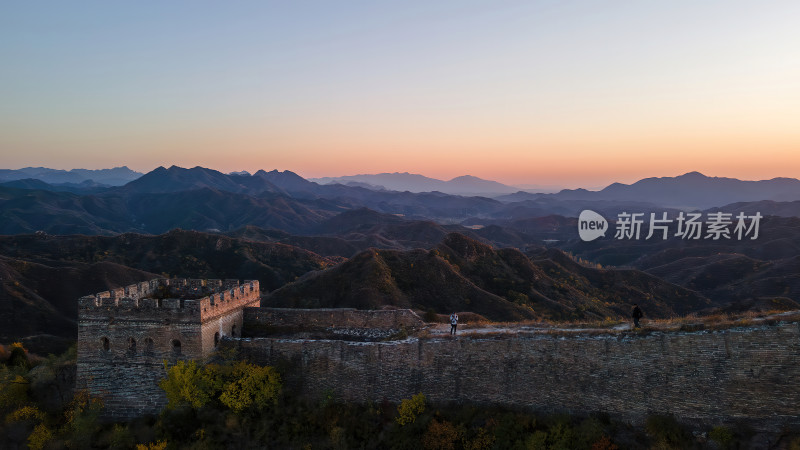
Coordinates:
(747, 373)
(205, 295)
(125, 334)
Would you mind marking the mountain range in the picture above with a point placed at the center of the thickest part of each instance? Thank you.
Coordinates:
(315, 245)
(44, 275)
(110, 177)
(411, 182)
(462, 274)
(692, 190)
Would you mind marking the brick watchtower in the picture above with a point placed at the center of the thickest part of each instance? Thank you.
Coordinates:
(126, 334)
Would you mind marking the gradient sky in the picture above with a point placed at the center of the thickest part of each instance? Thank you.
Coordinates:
(561, 93)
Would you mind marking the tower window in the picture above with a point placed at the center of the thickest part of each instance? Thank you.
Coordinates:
(105, 343)
(176, 347)
(148, 345)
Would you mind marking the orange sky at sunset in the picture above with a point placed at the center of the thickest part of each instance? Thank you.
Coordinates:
(574, 94)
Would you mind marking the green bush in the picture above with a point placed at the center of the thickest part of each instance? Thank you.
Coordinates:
(409, 409)
(238, 386)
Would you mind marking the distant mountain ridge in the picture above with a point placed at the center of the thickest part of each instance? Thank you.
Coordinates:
(692, 190)
(208, 200)
(411, 182)
(111, 177)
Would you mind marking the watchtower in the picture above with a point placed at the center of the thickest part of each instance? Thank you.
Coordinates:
(125, 335)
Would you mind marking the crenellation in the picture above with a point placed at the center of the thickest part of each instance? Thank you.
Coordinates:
(710, 376)
(629, 376)
(125, 334)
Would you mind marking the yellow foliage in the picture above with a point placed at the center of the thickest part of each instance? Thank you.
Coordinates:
(409, 409)
(25, 413)
(82, 402)
(251, 386)
(239, 386)
(186, 383)
(440, 436)
(39, 437)
(483, 440)
(13, 392)
(160, 445)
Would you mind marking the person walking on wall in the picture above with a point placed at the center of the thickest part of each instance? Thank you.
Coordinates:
(636, 314)
(453, 323)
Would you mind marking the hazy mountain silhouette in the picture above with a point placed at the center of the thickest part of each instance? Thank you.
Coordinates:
(177, 179)
(692, 190)
(26, 211)
(206, 199)
(112, 177)
(463, 185)
(765, 207)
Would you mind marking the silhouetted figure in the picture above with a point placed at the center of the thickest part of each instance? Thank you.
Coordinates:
(636, 314)
(453, 323)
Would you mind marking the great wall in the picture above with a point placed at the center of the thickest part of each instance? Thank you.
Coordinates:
(748, 373)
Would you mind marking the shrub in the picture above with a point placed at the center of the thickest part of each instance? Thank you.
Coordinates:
(121, 437)
(666, 430)
(13, 390)
(39, 437)
(18, 357)
(25, 413)
(409, 409)
(82, 419)
(537, 441)
(604, 443)
(160, 445)
(482, 440)
(250, 386)
(187, 384)
(722, 436)
(441, 436)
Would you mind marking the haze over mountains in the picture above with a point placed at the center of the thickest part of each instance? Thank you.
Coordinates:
(359, 245)
(110, 177)
(463, 185)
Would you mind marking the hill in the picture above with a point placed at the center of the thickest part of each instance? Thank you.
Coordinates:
(462, 274)
(726, 271)
(44, 276)
(411, 182)
(692, 190)
(40, 297)
(112, 177)
(26, 211)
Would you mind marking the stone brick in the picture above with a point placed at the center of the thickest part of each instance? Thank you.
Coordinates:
(712, 377)
(125, 335)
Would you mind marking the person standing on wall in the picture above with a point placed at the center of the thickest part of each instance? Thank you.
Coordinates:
(453, 323)
(636, 314)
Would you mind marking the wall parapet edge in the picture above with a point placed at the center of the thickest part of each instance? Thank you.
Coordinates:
(718, 377)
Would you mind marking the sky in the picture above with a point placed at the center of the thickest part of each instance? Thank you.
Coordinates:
(551, 93)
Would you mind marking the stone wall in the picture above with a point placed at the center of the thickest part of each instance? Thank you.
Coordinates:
(291, 318)
(706, 376)
(125, 334)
